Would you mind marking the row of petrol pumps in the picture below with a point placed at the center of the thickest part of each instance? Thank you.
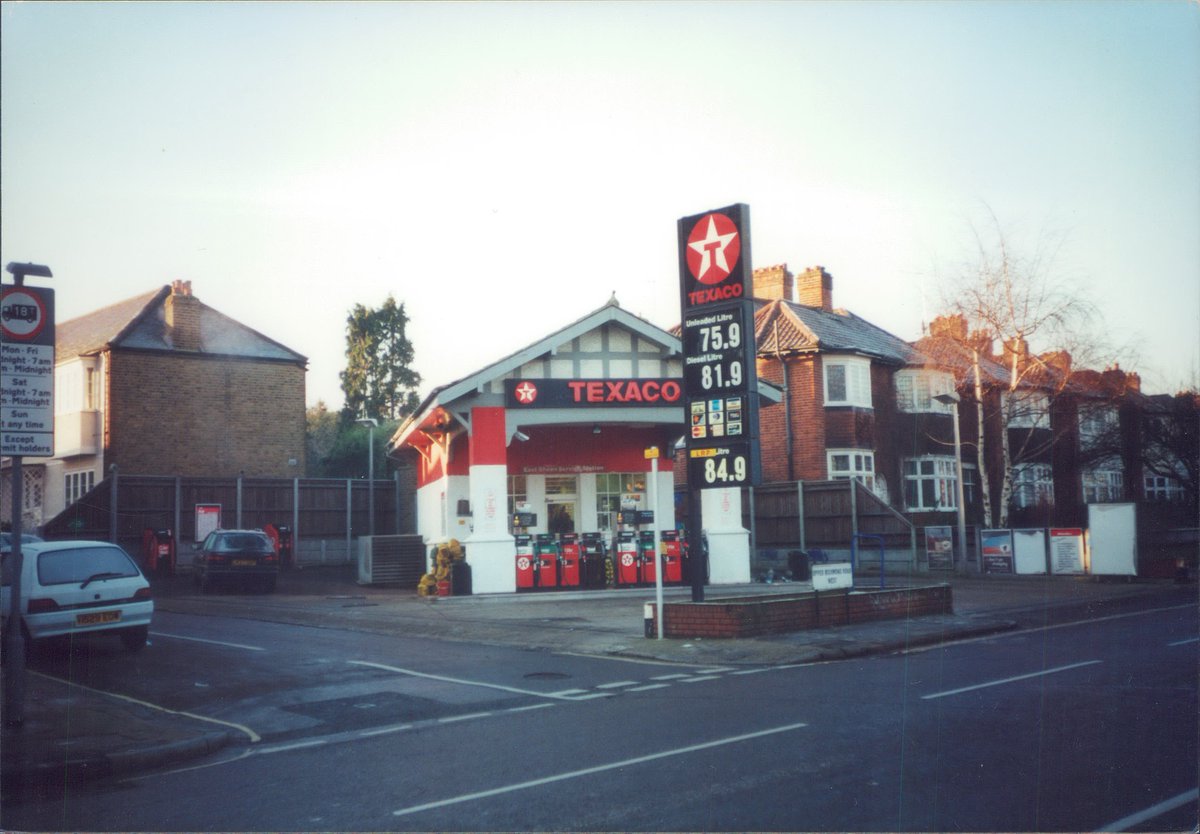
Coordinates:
(589, 560)
(159, 556)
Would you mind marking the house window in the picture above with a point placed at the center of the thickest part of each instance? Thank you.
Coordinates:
(1095, 422)
(852, 463)
(90, 393)
(1028, 410)
(79, 484)
(916, 389)
(970, 485)
(848, 382)
(930, 483)
(1103, 483)
(610, 488)
(1033, 485)
(1162, 489)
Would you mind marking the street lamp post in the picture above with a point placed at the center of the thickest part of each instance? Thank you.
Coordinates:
(952, 400)
(371, 422)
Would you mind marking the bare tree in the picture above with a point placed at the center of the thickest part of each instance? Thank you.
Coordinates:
(1011, 298)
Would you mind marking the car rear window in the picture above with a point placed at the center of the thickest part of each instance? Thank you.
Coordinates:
(243, 543)
(78, 564)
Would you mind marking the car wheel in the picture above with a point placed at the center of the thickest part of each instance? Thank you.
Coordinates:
(134, 639)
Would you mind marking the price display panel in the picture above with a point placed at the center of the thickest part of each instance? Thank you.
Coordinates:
(726, 465)
(718, 353)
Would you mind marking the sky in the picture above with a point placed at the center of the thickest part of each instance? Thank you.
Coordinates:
(503, 169)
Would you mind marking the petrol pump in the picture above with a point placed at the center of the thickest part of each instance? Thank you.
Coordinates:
(281, 537)
(625, 548)
(545, 559)
(593, 553)
(524, 542)
(647, 563)
(571, 573)
(672, 557)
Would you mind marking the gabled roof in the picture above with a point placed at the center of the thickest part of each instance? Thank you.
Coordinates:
(956, 357)
(611, 312)
(139, 323)
(786, 327)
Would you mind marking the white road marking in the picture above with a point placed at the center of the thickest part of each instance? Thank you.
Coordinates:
(210, 642)
(564, 693)
(253, 736)
(674, 677)
(616, 685)
(1185, 642)
(753, 671)
(461, 681)
(588, 771)
(649, 686)
(1153, 811)
(1013, 679)
(384, 731)
(699, 678)
(296, 745)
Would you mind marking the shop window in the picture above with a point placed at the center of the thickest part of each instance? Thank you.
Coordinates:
(930, 483)
(916, 389)
(1103, 484)
(1161, 489)
(852, 463)
(79, 484)
(518, 493)
(611, 489)
(1033, 485)
(848, 382)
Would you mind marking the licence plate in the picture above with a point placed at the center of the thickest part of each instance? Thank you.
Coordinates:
(244, 563)
(97, 618)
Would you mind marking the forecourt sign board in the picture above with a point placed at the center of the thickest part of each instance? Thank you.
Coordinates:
(26, 371)
(720, 379)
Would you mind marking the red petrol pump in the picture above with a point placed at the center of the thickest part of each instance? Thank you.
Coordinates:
(672, 557)
(545, 553)
(158, 551)
(571, 574)
(647, 563)
(625, 548)
(524, 545)
(281, 537)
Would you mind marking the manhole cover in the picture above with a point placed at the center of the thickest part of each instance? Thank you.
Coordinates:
(547, 676)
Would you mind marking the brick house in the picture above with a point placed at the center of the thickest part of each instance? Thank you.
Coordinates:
(162, 384)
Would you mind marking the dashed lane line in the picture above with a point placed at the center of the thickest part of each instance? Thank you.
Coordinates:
(1013, 679)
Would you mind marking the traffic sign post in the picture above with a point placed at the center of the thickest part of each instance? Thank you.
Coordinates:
(720, 378)
(26, 428)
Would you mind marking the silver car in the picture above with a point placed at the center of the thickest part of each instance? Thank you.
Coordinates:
(78, 587)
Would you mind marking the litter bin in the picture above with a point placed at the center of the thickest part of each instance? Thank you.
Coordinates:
(460, 578)
(798, 565)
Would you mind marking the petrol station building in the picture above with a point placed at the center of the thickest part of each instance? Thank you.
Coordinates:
(556, 437)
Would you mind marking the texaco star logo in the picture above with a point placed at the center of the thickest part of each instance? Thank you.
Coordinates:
(713, 248)
(526, 392)
(627, 559)
(523, 563)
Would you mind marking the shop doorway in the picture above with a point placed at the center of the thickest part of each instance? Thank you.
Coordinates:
(560, 517)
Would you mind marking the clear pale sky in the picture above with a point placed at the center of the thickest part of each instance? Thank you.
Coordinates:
(504, 168)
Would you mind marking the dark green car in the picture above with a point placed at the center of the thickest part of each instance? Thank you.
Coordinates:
(243, 557)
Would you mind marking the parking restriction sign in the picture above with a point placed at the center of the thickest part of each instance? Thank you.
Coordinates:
(27, 371)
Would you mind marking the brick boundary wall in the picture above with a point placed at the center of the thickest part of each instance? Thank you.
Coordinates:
(756, 616)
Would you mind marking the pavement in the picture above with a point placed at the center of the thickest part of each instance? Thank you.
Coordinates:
(72, 732)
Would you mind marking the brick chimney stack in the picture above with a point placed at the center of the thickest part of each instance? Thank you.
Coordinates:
(814, 288)
(772, 282)
(182, 313)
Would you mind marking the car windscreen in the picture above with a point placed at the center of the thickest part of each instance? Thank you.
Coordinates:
(243, 543)
(78, 564)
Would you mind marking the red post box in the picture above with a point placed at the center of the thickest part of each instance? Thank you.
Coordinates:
(524, 543)
(571, 572)
(672, 556)
(627, 558)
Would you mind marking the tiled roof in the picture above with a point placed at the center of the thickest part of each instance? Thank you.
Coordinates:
(139, 323)
(786, 327)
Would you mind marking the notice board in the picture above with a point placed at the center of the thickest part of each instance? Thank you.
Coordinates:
(1112, 539)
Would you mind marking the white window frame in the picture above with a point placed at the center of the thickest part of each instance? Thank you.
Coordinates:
(1027, 409)
(940, 472)
(856, 381)
(1162, 490)
(1095, 421)
(1103, 483)
(1032, 484)
(917, 387)
(79, 484)
(844, 464)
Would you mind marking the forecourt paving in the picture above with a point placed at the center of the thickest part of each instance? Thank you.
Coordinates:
(72, 732)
